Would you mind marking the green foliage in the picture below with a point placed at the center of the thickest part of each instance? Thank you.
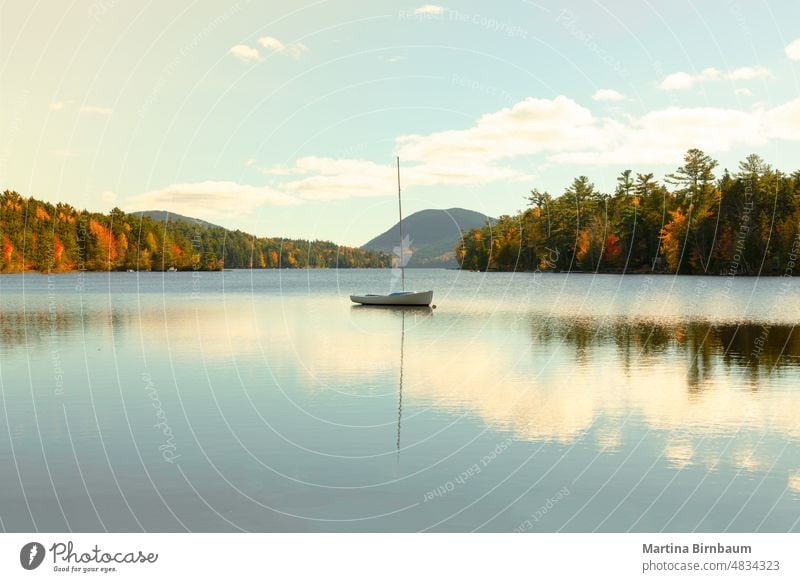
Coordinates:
(745, 223)
(39, 236)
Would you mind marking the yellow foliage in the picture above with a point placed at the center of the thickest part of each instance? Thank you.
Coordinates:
(122, 243)
(672, 236)
(582, 245)
(151, 243)
(105, 240)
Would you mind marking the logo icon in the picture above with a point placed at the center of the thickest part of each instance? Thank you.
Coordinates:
(31, 555)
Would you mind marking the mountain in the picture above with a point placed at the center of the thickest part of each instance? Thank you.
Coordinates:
(433, 234)
(166, 216)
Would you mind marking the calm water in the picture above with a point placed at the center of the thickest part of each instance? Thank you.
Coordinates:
(264, 401)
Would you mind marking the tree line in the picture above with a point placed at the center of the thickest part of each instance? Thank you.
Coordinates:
(694, 222)
(45, 237)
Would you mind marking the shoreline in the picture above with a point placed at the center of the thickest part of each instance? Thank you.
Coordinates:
(489, 272)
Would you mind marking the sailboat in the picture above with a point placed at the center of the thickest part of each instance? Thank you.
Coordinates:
(400, 297)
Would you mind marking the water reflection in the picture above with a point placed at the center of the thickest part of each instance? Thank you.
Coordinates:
(401, 311)
(754, 348)
(295, 395)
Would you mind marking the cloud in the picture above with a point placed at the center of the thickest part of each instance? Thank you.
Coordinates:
(278, 170)
(608, 95)
(340, 179)
(271, 43)
(749, 73)
(245, 53)
(662, 136)
(742, 91)
(57, 106)
(793, 50)
(681, 81)
(95, 109)
(295, 49)
(210, 199)
(429, 9)
(783, 122)
(531, 126)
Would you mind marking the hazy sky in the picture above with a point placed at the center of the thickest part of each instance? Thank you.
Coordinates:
(283, 119)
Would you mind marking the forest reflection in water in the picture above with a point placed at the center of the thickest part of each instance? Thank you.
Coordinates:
(754, 349)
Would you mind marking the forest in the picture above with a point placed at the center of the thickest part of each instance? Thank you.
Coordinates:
(694, 222)
(45, 237)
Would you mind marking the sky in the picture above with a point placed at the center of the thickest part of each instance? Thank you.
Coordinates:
(284, 119)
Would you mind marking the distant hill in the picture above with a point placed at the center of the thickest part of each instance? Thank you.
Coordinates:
(163, 216)
(434, 233)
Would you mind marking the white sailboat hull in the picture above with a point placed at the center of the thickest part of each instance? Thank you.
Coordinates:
(402, 298)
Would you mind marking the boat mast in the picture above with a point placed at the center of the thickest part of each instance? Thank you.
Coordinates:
(400, 208)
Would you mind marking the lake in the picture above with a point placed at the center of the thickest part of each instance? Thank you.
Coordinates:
(266, 401)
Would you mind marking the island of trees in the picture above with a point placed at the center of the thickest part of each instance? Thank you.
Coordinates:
(39, 236)
(746, 222)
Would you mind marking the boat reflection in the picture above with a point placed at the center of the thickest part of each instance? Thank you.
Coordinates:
(398, 309)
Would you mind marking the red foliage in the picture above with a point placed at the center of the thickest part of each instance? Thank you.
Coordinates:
(7, 250)
(613, 248)
(58, 249)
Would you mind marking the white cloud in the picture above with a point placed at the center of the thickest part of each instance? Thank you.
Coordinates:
(608, 95)
(429, 9)
(336, 179)
(339, 179)
(783, 122)
(270, 170)
(57, 106)
(676, 82)
(210, 200)
(529, 127)
(271, 43)
(744, 92)
(749, 73)
(681, 81)
(95, 109)
(276, 171)
(662, 136)
(245, 53)
(295, 49)
(793, 50)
